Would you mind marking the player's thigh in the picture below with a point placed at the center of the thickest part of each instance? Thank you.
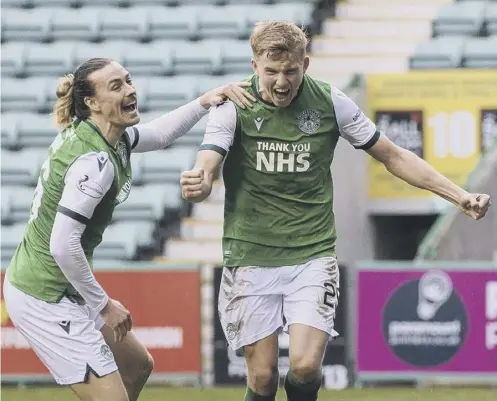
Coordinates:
(131, 356)
(249, 310)
(109, 387)
(62, 335)
(312, 296)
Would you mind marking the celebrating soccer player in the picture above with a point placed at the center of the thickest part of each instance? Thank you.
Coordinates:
(280, 269)
(51, 294)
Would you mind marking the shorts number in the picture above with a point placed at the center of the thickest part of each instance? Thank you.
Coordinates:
(330, 295)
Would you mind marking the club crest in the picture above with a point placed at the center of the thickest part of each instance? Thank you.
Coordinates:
(309, 121)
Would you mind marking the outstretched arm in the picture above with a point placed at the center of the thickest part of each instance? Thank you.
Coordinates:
(362, 133)
(164, 130)
(416, 172)
(196, 184)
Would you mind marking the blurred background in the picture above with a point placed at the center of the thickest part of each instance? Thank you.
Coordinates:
(419, 279)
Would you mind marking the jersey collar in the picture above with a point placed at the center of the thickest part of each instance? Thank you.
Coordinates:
(94, 127)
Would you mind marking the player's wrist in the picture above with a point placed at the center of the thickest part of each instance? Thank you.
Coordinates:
(103, 306)
(204, 101)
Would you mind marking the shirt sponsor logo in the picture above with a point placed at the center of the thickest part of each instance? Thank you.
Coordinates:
(90, 188)
(124, 192)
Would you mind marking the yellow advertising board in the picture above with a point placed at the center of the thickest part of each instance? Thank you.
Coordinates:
(447, 117)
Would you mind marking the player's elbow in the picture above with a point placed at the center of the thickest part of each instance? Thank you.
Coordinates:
(397, 159)
(59, 249)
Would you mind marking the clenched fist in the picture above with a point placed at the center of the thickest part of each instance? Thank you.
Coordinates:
(475, 205)
(193, 186)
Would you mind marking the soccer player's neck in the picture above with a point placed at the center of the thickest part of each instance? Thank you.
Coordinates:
(109, 131)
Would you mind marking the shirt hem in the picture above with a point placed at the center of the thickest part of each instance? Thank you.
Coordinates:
(276, 262)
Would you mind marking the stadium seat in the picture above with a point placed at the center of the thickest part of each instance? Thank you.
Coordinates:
(27, 130)
(108, 3)
(172, 23)
(122, 240)
(5, 204)
(69, 24)
(168, 93)
(443, 52)
(11, 237)
(249, 1)
(481, 53)
(223, 22)
(491, 18)
(49, 59)
(166, 3)
(167, 165)
(21, 167)
(460, 18)
(149, 202)
(148, 59)
(37, 130)
(205, 83)
(202, 57)
(16, 3)
(20, 24)
(23, 94)
(236, 57)
(109, 49)
(122, 24)
(13, 58)
(19, 199)
(10, 130)
(55, 3)
(299, 13)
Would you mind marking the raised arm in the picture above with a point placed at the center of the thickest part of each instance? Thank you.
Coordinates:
(196, 184)
(164, 130)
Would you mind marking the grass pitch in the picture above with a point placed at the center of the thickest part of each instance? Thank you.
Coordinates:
(236, 394)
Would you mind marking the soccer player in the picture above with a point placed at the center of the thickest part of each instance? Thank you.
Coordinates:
(280, 269)
(51, 294)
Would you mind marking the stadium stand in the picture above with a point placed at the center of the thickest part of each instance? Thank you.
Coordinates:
(175, 50)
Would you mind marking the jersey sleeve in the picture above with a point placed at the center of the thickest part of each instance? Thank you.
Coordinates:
(220, 129)
(164, 130)
(87, 180)
(353, 124)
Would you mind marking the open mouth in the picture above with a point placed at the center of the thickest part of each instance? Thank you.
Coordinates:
(130, 108)
(281, 94)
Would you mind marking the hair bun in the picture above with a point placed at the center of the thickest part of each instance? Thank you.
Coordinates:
(65, 86)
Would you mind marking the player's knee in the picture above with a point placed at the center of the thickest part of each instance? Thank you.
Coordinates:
(305, 369)
(263, 379)
(138, 372)
(144, 368)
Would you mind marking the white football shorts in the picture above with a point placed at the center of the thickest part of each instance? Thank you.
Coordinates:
(255, 302)
(65, 336)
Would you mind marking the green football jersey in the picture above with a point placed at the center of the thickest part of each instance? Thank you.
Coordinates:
(79, 149)
(277, 173)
